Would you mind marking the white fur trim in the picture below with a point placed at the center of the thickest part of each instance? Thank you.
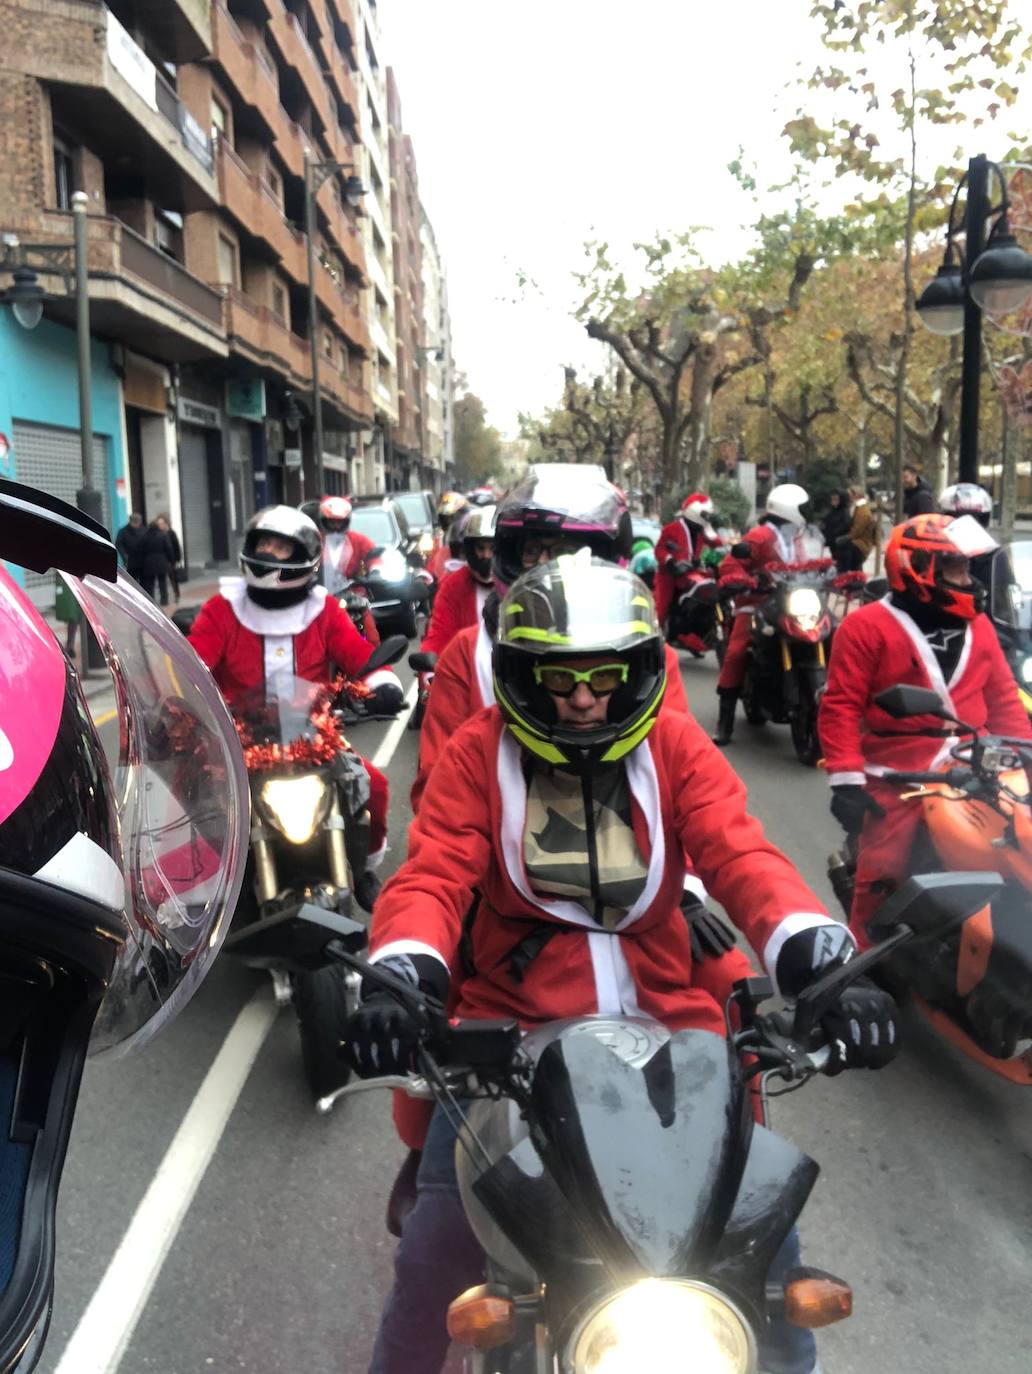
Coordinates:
(82, 866)
(925, 652)
(278, 653)
(379, 676)
(846, 779)
(286, 620)
(482, 594)
(482, 662)
(694, 884)
(792, 925)
(409, 947)
(615, 991)
(376, 856)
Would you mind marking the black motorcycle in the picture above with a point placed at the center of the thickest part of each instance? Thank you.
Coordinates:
(423, 666)
(309, 841)
(786, 669)
(628, 1204)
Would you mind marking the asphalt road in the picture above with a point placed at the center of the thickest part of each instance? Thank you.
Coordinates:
(282, 1261)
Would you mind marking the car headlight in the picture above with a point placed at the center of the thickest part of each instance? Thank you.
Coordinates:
(668, 1324)
(1026, 670)
(425, 544)
(295, 806)
(804, 604)
(392, 566)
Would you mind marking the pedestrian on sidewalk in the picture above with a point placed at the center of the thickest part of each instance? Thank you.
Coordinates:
(855, 546)
(177, 573)
(918, 498)
(836, 523)
(129, 543)
(157, 562)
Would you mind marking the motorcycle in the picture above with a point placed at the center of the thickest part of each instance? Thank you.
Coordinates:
(423, 666)
(976, 816)
(700, 617)
(786, 667)
(353, 600)
(628, 1203)
(1010, 609)
(309, 837)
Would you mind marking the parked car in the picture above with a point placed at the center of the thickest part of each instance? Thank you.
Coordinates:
(645, 529)
(420, 511)
(393, 583)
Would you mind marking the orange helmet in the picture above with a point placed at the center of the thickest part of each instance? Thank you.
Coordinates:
(334, 513)
(921, 551)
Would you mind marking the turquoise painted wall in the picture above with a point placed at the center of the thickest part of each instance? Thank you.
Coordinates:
(39, 383)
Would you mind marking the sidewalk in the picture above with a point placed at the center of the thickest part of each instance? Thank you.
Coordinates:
(98, 682)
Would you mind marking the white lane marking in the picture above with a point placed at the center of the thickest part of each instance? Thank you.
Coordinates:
(99, 1342)
(385, 753)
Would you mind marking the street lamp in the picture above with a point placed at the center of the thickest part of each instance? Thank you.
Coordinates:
(995, 276)
(316, 174)
(25, 297)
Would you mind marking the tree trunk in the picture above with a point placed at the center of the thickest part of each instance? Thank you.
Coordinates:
(861, 454)
(908, 297)
(671, 456)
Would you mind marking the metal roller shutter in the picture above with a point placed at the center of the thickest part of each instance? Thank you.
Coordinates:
(193, 477)
(51, 459)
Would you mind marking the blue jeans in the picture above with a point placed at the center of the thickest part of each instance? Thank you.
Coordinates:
(438, 1257)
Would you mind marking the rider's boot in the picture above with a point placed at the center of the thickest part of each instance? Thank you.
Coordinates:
(367, 889)
(726, 724)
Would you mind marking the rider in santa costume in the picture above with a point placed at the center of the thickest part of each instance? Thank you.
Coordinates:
(275, 623)
(766, 545)
(679, 552)
(345, 550)
(459, 602)
(927, 632)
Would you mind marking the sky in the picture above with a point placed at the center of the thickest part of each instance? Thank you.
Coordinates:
(543, 124)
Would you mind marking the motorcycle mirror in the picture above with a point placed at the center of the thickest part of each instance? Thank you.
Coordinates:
(422, 663)
(903, 700)
(296, 941)
(388, 651)
(931, 905)
(40, 532)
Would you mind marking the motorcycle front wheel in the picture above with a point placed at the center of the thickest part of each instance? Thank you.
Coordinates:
(804, 735)
(323, 1002)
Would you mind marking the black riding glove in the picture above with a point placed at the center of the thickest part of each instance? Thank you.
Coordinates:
(851, 803)
(710, 936)
(381, 1037)
(679, 567)
(862, 1029)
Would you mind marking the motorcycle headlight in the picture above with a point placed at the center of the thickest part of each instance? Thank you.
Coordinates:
(425, 544)
(1026, 670)
(668, 1324)
(392, 566)
(803, 603)
(295, 806)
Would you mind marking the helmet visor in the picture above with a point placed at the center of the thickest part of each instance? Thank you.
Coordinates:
(558, 609)
(183, 807)
(969, 537)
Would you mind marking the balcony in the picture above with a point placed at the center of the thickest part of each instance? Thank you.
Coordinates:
(121, 106)
(252, 204)
(138, 295)
(296, 52)
(182, 28)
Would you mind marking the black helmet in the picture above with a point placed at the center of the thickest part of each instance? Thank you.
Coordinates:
(570, 500)
(115, 891)
(578, 607)
(480, 525)
(281, 581)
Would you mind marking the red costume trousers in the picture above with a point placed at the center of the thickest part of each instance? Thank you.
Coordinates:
(884, 858)
(663, 593)
(378, 800)
(733, 668)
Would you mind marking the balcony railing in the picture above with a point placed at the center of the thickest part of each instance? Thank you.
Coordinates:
(167, 275)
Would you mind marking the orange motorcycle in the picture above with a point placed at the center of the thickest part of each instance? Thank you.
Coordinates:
(975, 986)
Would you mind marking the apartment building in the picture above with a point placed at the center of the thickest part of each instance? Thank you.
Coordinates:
(374, 467)
(439, 372)
(409, 446)
(187, 124)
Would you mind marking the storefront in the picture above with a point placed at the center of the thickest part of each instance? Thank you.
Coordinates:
(39, 424)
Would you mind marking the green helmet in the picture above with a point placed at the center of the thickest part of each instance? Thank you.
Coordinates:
(578, 607)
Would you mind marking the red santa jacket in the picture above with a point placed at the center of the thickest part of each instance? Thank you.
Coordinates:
(464, 684)
(688, 543)
(244, 644)
(880, 645)
(456, 607)
(769, 546)
(687, 802)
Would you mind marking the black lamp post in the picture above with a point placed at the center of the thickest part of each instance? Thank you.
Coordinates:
(316, 174)
(612, 452)
(993, 275)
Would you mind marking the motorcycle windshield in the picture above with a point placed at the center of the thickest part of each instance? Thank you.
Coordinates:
(646, 1135)
(183, 810)
(287, 722)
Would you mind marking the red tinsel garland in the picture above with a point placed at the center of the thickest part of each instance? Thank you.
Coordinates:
(323, 746)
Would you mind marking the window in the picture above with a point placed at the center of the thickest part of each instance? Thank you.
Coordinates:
(64, 175)
(279, 302)
(275, 184)
(219, 120)
(327, 342)
(228, 274)
(168, 232)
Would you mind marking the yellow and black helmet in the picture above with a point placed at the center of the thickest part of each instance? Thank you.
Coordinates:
(578, 607)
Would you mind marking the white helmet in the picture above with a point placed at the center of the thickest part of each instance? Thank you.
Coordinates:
(263, 571)
(967, 498)
(786, 500)
(697, 509)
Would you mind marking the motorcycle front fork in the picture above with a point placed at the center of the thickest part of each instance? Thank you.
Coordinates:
(266, 878)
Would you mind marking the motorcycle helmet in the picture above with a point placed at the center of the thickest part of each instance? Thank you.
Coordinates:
(456, 531)
(786, 501)
(697, 509)
(449, 506)
(967, 498)
(282, 581)
(117, 879)
(578, 607)
(919, 551)
(334, 514)
(480, 526)
(570, 501)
